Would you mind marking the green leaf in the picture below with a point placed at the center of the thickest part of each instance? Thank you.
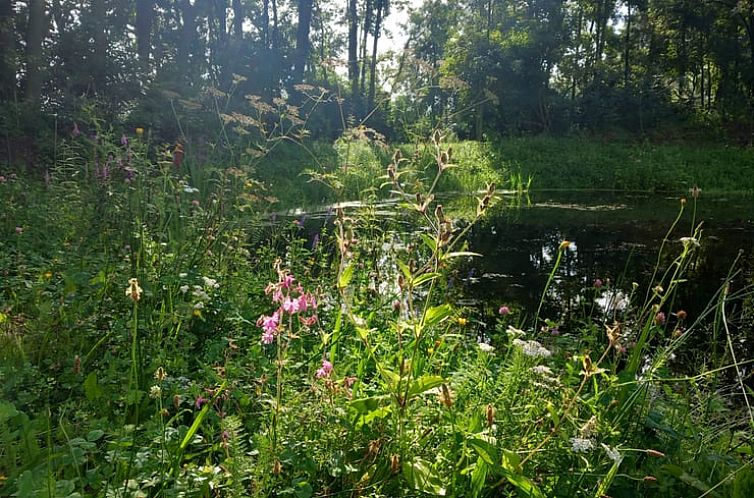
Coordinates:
(436, 314)
(421, 477)
(486, 451)
(92, 389)
(345, 276)
(195, 426)
(366, 405)
(608, 479)
(424, 278)
(478, 477)
(429, 242)
(404, 269)
(424, 383)
(7, 411)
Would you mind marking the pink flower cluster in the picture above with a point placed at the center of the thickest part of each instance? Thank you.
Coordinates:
(292, 300)
(325, 370)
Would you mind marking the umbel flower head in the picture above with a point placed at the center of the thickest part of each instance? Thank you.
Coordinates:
(133, 290)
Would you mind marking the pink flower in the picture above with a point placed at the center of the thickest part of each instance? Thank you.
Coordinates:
(19, 230)
(504, 310)
(324, 370)
(312, 301)
(308, 320)
(660, 318)
(268, 337)
(287, 281)
(303, 302)
(290, 305)
(597, 283)
(269, 323)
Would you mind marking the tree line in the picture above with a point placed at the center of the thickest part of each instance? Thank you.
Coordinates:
(479, 67)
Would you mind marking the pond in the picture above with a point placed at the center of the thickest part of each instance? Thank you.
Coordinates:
(615, 240)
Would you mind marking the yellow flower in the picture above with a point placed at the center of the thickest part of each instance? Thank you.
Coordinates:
(462, 321)
(48, 275)
(133, 290)
(564, 245)
(139, 131)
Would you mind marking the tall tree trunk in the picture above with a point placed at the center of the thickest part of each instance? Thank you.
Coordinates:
(373, 62)
(7, 51)
(35, 34)
(99, 60)
(143, 25)
(368, 9)
(187, 36)
(302, 38)
(353, 63)
(275, 29)
(627, 55)
(238, 18)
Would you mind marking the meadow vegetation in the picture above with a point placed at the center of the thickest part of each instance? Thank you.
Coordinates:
(164, 333)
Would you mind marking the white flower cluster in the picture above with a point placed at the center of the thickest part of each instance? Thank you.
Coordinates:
(199, 292)
(532, 348)
(612, 453)
(486, 348)
(581, 444)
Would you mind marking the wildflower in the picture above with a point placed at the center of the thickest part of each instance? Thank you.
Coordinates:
(541, 370)
(124, 140)
(504, 310)
(612, 453)
(287, 281)
(564, 245)
(588, 428)
(160, 374)
(597, 283)
(554, 330)
(486, 348)
(690, 242)
(184, 289)
(195, 203)
(183, 275)
(277, 467)
(660, 318)
(581, 445)
(395, 464)
(200, 401)
(210, 282)
(308, 321)
(396, 305)
(155, 392)
(590, 368)
(199, 306)
(139, 131)
(270, 323)
(514, 332)
(268, 337)
(681, 314)
(324, 370)
(532, 348)
(695, 192)
(462, 321)
(133, 290)
(75, 132)
(446, 397)
(19, 230)
(291, 305)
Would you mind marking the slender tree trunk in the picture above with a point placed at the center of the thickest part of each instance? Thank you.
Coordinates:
(368, 9)
(99, 65)
(143, 25)
(353, 63)
(627, 56)
(275, 28)
(577, 56)
(373, 66)
(238, 18)
(266, 24)
(35, 34)
(302, 38)
(8, 65)
(188, 34)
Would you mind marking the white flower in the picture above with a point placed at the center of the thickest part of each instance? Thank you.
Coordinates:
(184, 289)
(155, 392)
(581, 445)
(612, 453)
(190, 190)
(689, 242)
(486, 348)
(514, 332)
(199, 306)
(541, 370)
(210, 283)
(182, 275)
(532, 348)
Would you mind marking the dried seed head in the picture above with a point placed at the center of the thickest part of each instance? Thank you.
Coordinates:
(655, 453)
(489, 413)
(277, 467)
(395, 464)
(445, 396)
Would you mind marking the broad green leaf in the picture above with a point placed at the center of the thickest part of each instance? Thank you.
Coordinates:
(420, 476)
(436, 314)
(195, 426)
(607, 480)
(486, 451)
(366, 405)
(479, 477)
(424, 383)
(92, 389)
(404, 269)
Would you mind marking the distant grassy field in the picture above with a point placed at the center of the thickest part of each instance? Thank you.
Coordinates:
(577, 163)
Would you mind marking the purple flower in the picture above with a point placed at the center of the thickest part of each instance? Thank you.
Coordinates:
(554, 330)
(269, 324)
(504, 310)
(324, 370)
(287, 281)
(200, 401)
(124, 140)
(597, 283)
(660, 318)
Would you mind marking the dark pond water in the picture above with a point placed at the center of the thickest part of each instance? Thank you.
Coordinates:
(615, 238)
